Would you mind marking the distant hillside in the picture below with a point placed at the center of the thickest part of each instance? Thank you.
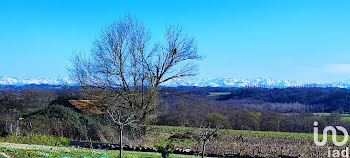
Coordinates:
(307, 99)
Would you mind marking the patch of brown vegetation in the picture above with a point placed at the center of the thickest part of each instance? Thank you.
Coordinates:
(87, 106)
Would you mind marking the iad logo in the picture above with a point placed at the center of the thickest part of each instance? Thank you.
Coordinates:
(335, 152)
(334, 135)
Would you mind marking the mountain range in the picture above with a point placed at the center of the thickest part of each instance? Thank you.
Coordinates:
(197, 82)
(17, 81)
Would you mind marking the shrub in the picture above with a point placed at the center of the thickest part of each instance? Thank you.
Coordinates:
(60, 121)
(216, 119)
(165, 150)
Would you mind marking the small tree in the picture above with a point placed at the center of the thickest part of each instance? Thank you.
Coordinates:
(334, 119)
(206, 134)
(124, 71)
(272, 121)
(215, 119)
(122, 117)
(244, 119)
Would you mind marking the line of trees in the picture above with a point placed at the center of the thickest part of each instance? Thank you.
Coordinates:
(310, 99)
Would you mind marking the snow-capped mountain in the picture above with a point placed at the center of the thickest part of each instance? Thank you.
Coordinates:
(234, 82)
(20, 81)
(257, 82)
(198, 82)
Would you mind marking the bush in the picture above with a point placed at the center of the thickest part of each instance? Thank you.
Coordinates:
(165, 150)
(60, 121)
(216, 119)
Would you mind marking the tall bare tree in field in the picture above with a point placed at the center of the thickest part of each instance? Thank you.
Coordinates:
(125, 69)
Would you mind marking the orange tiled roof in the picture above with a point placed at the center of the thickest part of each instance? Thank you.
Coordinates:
(87, 106)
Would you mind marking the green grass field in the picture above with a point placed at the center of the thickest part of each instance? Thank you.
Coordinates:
(25, 150)
(169, 130)
(215, 94)
(344, 117)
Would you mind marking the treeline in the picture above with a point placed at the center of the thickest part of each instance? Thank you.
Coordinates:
(311, 99)
(46, 110)
(285, 110)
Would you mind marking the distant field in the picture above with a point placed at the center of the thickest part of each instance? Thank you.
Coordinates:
(344, 117)
(214, 94)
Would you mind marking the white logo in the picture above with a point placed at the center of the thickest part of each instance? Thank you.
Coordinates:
(334, 135)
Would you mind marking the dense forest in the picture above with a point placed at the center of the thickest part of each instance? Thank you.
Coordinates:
(299, 99)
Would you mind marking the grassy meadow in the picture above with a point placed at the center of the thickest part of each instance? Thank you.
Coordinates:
(26, 150)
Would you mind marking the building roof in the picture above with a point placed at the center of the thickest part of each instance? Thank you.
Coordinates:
(87, 106)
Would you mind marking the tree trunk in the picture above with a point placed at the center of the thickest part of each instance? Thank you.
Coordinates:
(17, 127)
(121, 142)
(11, 129)
(203, 149)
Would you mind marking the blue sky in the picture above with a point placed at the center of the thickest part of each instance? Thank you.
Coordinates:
(306, 40)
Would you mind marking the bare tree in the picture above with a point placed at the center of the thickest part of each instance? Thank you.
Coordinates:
(122, 117)
(206, 134)
(123, 71)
